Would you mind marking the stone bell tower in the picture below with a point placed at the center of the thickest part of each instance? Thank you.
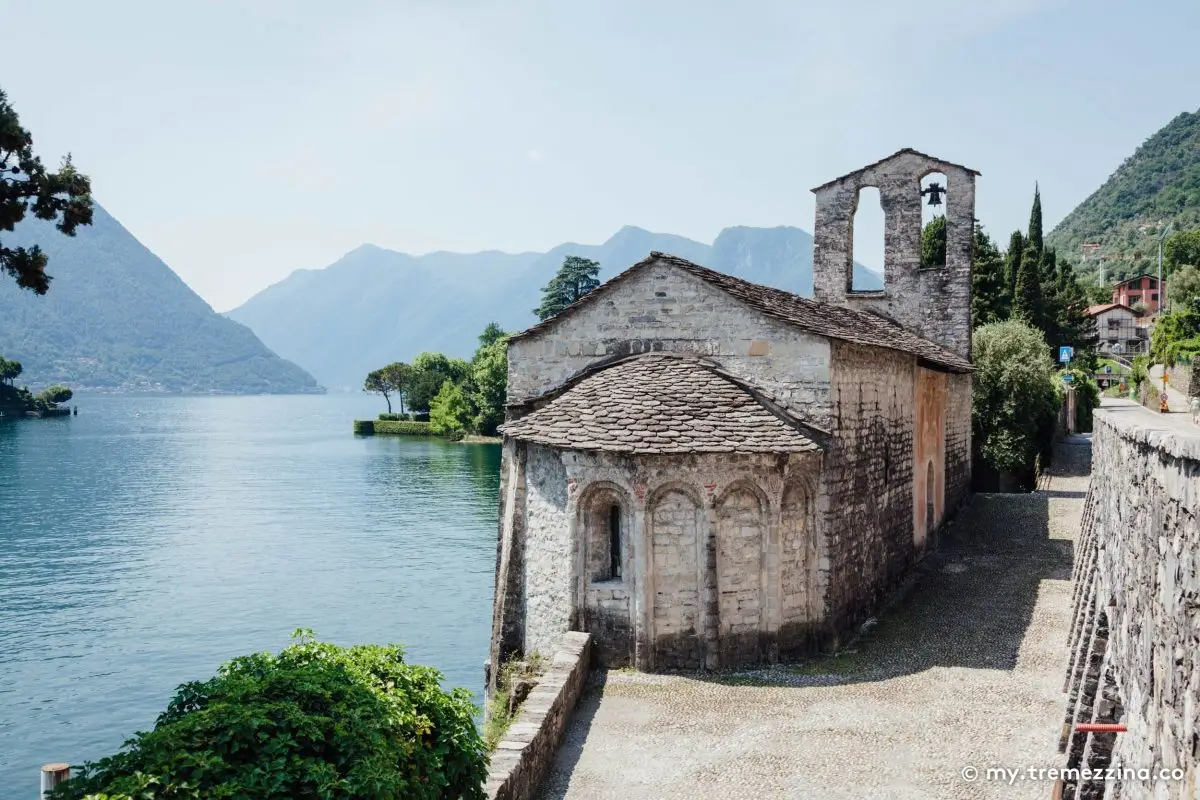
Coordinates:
(933, 301)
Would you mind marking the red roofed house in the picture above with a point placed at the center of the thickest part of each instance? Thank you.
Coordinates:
(1142, 289)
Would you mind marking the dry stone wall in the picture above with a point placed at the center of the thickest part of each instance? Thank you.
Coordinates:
(1135, 640)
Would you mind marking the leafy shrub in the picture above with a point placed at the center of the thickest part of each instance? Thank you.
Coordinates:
(315, 721)
(420, 416)
(1016, 398)
(1087, 398)
(403, 428)
(1141, 370)
(395, 417)
(449, 412)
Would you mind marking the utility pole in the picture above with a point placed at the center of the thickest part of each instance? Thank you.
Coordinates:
(1162, 295)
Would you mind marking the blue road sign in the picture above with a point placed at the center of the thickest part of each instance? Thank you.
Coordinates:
(1108, 368)
(1065, 353)
(1068, 377)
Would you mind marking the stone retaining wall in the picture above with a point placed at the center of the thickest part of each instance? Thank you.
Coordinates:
(523, 757)
(1135, 639)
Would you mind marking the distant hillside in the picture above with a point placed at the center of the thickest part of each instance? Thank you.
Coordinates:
(117, 318)
(374, 306)
(1158, 184)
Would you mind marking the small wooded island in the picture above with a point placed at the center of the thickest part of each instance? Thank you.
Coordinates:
(20, 402)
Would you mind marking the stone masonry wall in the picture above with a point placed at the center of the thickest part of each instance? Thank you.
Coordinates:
(868, 480)
(1135, 639)
(549, 552)
(958, 441)
(933, 302)
(524, 756)
(666, 309)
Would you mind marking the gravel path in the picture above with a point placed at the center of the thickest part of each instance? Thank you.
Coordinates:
(965, 672)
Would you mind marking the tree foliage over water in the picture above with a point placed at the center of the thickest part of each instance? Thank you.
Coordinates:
(64, 197)
(460, 396)
(314, 721)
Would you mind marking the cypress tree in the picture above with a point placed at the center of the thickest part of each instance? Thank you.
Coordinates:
(1012, 264)
(1027, 299)
(1036, 245)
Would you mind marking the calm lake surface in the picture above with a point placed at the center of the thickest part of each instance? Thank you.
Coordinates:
(149, 539)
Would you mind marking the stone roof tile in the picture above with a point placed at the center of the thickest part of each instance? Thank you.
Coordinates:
(823, 319)
(662, 403)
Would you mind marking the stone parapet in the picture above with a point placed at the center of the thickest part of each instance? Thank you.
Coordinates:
(1135, 640)
(522, 759)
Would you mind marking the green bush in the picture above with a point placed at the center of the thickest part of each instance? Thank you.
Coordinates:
(395, 417)
(449, 412)
(1016, 398)
(420, 416)
(1087, 398)
(403, 428)
(1141, 371)
(364, 427)
(314, 721)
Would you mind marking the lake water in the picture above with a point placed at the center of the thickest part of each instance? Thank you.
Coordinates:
(149, 539)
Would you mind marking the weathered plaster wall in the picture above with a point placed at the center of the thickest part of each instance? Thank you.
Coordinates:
(548, 552)
(666, 309)
(1135, 640)
(929, 454)
(933, 302)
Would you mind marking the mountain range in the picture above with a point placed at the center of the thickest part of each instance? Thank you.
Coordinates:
(374, 306)
(117, 318)
(1122, 220)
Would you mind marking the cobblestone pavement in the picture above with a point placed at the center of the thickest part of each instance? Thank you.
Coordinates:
(966, 671)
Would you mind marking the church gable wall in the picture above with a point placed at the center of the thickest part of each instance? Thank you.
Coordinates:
(665, 309)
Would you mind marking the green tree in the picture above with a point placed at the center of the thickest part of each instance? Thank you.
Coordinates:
(1175, 334)
(1183, 287)
(9, 370)
(387, 381)
(1181, 249)
(576, 277)
(314, 721)
(489, 373)
(1012, 262)
(1027, 298)
(491, 334)
(25, 186)
(1034, 243)
(933, 243)
(429, 371)
(1015, 399)
(56, 394)
(449, 411)
(989, 295)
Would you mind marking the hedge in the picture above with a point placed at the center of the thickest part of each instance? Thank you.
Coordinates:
(403, 417)
(403, 428)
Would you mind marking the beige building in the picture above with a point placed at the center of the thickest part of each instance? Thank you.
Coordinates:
(1119, 329)
(704, 472)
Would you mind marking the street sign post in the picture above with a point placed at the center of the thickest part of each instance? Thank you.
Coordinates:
(1065, 353)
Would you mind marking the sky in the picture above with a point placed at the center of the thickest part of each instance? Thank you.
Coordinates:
(243, 139)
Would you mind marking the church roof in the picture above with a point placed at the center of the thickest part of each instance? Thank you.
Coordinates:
(823, 319)
(662, 403)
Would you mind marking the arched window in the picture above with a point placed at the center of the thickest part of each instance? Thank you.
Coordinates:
(604, 519)
(614, 541)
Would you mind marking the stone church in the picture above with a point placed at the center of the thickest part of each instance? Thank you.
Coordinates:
(703, 472)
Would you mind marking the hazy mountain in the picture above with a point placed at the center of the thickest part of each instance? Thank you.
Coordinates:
(117, 317)
(1158, 184)
(374, 306)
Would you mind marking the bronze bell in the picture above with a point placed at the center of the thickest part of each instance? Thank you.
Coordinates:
(935, 192)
